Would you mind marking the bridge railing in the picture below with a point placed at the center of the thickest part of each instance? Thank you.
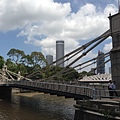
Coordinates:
(103, 93)
(66, 88)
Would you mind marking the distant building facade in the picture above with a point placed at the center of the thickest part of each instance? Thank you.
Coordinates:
(49, 59)
(100, 63)
(109, 70)
(60, 52)
(92, 71)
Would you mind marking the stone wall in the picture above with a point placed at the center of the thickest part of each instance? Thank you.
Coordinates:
(97, 110)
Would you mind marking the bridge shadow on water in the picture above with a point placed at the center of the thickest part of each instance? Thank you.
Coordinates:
(47, 106)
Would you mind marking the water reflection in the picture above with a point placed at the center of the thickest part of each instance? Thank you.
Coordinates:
(37, 107)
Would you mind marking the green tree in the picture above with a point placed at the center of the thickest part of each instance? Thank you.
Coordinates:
(15, 55)
(84, 73)
(22, 68)
(38, 58)
(70, 74)
(11, 66)
(34, 62)
(1, 62)
(27, 60)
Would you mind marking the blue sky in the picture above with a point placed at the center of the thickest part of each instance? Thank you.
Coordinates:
(36, 25)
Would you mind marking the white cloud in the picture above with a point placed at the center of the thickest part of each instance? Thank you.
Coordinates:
(107, 47)
(17, 13)
(44, 22)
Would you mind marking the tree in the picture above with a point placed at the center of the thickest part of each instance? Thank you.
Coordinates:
(22, 68)
(84, 73)
(38, 58)
(15, 55)
(11, 66)
(1, 62)
(27, 60)
(34, 62)
(71, 74)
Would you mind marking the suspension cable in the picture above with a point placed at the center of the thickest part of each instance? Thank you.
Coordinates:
(83, 47)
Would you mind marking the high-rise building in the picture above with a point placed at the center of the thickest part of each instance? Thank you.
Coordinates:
(100, 63)
(49, 59)
(60, 52)
(109, 70)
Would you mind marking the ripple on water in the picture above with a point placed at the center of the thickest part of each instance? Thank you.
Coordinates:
(37, 106)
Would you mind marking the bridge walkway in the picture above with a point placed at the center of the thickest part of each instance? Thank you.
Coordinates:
(67, 90)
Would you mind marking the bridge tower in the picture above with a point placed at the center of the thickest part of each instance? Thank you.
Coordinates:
(115, 52)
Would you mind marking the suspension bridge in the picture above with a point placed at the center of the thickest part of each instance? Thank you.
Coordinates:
(9, 80)
(13, 80)
(76, 91)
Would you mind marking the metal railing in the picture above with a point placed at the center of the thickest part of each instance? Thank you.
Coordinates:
(103, 93)
(93, 93)
(66, 88)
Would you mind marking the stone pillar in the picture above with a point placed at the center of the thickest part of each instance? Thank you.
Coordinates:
(115, 52)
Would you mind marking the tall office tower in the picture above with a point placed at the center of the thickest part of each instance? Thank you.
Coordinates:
(100, 60)
(49, 59)
(109, 70)
(60, 52)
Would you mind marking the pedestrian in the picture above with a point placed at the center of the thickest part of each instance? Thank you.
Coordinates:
(110, 88)
(114, 88)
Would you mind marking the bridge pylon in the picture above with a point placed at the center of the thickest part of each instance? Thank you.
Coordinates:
(115, 51)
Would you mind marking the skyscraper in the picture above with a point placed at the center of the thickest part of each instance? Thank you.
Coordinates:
(60, 52)
(49, 59)
(100, 62)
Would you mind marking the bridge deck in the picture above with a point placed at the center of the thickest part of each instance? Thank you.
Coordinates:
(67, 90)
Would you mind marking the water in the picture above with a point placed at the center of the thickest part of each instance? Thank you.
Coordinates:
(37, 106)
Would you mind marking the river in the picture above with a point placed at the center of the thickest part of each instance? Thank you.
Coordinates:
(36, 106)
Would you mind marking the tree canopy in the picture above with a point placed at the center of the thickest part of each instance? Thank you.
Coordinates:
(35, 66)
(15, 55)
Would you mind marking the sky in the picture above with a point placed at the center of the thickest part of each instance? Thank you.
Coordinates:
(35, 25)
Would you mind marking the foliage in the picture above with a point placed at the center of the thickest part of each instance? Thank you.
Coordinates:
(1, 62)
(15, 55)
(84, 73)
(35, 66)
(38, 58)
(71, 74)
(11, 66)
(54, 71)
(27, 60)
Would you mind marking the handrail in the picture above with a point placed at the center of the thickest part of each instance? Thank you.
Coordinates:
(66, 88)
(103, 93)
(93, 93)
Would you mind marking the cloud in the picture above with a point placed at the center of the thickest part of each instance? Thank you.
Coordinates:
(43, 22)
(18, 13)
(107, 47)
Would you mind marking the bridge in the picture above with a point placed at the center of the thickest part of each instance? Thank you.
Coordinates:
(8, 81)
(59, 89)
(76, 91)
(67, 89)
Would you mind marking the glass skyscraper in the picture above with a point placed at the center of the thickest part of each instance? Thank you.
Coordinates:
(100, 63)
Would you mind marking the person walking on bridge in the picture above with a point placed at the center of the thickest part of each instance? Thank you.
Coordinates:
(110, 88)
(114, 88)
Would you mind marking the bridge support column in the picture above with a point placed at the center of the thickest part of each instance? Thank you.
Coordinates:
(115, 52)
(5, 92)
